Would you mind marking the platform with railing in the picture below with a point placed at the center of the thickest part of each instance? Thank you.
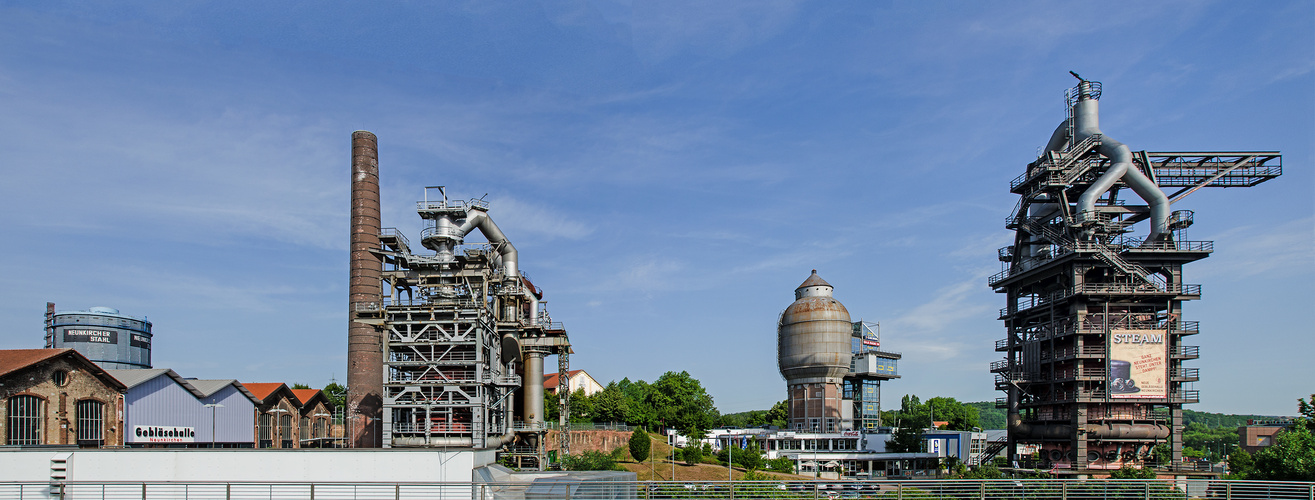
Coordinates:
(564, 487)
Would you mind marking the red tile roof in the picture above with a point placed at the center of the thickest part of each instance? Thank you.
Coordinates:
(12, 360)
(262, 390)
(305, 395)
(550, 380)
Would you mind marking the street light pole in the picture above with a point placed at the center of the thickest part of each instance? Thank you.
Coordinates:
(212, 407)
(730, 458)
(278, 425)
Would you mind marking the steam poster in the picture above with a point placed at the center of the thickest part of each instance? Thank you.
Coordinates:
(1138, 367)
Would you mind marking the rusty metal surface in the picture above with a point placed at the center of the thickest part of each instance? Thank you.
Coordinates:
(813, 352)
(364, 343)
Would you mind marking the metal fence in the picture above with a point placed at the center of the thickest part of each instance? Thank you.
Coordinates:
(567, 488)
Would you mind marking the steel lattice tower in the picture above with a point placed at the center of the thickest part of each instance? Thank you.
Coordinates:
(1094, 361)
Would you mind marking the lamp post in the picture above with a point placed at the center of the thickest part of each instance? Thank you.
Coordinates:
(276, 424)
(212, 407)
(319, 416)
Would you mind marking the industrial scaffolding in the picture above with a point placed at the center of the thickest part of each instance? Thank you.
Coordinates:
(1094, 361)
(464, 337)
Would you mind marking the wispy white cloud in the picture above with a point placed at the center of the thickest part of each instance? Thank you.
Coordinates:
(538, 220)
(1253, 250)
(708, 29)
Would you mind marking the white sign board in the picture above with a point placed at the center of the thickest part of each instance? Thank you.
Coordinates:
(162, 434)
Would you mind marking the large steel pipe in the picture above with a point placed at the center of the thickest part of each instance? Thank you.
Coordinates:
(532, 391)
(1020, 430)
(477, 218)
(364, 343)
(1086, 123)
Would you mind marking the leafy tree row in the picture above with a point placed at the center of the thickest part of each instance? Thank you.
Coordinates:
(675, 400)
(914, 412)
(778, 416)
(1291, 458)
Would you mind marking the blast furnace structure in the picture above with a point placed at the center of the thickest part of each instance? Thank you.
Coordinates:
(1094, 362)
(452, 342)
(832, 367)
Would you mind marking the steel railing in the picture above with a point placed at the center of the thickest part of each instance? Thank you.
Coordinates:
(451, 204)
(963, 489)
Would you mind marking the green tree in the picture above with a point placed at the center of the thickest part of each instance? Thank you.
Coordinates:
(300, 386)
(680, 402)
(989, 417)
(781, 464)
(692, 453)
(589, 460)
(639, 445)
(1307, 411)
(986, 471)
(610, 405)
(638, 410)
(1292, 457)
(1130, 472)
(582, 407)
(748, 458)
(779, 415)
(905, 439)
(336, 394)
(1240, 464)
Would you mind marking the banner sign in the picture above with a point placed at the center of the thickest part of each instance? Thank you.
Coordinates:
(139, 341)
(1138, 368)
(163, 434)
(94, 336)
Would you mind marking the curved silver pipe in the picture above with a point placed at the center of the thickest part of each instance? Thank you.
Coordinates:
(453, 441)
(1058, 139)
(477, 218)
(534, 305)
(1086, 115)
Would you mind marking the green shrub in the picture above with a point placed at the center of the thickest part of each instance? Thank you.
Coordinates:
(589, 460)
(693, 454)
(639, 445)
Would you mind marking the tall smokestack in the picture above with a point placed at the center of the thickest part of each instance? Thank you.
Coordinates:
(364, 343)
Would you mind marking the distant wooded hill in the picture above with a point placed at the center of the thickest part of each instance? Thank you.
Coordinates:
(994, 418)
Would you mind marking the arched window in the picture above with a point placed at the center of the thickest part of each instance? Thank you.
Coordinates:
(24, 420)
(266, 435)
(285, 431)
(305, 428)
(91, 422)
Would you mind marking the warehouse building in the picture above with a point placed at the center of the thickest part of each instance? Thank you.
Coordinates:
(277, 415)
(57, 397)
(164, 410)
(316, 426)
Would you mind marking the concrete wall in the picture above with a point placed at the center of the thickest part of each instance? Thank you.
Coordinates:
(246, 465)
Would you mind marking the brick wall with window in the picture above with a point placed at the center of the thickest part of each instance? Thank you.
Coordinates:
(58, 397)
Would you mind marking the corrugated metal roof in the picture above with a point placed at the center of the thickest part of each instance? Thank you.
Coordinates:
(209, 387)
(134, 378)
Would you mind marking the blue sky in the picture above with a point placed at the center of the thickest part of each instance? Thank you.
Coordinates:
(670, 172)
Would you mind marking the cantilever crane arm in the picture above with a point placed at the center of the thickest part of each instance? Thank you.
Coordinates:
(1182, 193)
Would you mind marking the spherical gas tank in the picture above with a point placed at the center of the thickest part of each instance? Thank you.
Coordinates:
(813, 336)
